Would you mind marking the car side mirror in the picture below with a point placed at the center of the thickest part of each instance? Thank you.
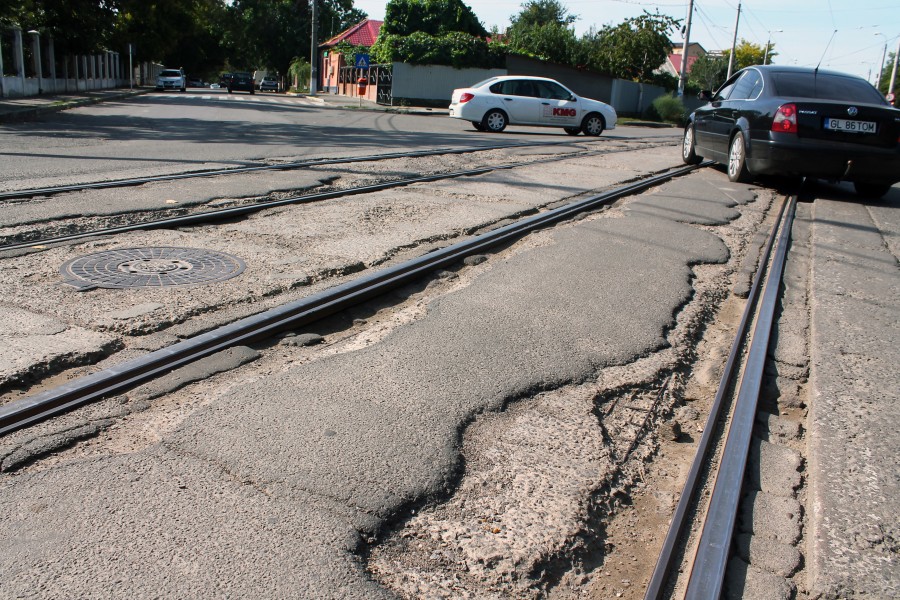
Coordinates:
(705, 95)
(573, 98)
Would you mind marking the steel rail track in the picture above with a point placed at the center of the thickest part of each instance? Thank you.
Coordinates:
(239, 211)
(708, 569)
(113, 183)
(117, 379)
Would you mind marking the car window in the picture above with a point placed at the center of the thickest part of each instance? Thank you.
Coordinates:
(551, 90)
(726, 88)
(482, 83)
(748, 86)
(514, 87)
(170, 73)
(825, 86)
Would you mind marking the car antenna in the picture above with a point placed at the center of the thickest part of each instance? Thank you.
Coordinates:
(816, 70)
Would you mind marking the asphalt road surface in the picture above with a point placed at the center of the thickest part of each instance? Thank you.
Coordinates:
(169, 132)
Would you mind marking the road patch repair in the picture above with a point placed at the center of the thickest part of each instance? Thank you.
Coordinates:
(285, 484)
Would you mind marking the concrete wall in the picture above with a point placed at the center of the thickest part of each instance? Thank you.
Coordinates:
(435, 82)
(584, 83)
(632, 99)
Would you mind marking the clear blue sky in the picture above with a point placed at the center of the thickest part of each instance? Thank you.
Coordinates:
(807, 25)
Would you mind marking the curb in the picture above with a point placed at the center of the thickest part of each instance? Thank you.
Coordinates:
(25, 114)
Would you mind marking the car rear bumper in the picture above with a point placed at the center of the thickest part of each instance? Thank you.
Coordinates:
(826, 161)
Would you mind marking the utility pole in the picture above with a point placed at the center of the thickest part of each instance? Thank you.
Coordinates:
(768, 43)
(314, 54)
(734, 42)
(883, 55)
(894, 73)
(682, 75)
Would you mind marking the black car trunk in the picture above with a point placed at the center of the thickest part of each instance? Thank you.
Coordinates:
(864, 124)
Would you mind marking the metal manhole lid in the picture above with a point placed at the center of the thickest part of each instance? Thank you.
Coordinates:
(150, 267)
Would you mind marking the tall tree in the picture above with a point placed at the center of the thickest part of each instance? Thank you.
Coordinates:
(633, 49)
(708, 72)
(542, 29)
(77, 26)
(434, 17)
(271, 33)
(177, 33)
(747, 54)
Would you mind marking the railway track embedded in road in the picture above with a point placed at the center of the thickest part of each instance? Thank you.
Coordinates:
(116, 183)
(243, 210)
(708, 566)
(108, 382)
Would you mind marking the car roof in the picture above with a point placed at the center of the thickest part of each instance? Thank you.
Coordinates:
(799, 70)
(530, 77)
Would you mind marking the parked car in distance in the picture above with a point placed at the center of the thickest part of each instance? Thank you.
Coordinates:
(779, 120)
(195, 82)
(268, 84)
(494, 103)
(171, 79)
(224, 78)
(241, 81)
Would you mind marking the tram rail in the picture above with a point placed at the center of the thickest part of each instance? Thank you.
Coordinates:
(318, 162)
(21, 413)
(707, 568)
(243, 210)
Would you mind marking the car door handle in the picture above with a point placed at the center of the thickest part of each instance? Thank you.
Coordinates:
(545, 103)
(508, 99)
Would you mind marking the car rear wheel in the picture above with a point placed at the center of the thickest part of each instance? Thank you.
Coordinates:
(251, 91)
(737, 159)
(494, 121)
(572, 130)
(687, 147)
(593, 124)
(871, 190)
(229, 90)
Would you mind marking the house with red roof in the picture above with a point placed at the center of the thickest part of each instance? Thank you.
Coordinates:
(362, 34)
(672, 65)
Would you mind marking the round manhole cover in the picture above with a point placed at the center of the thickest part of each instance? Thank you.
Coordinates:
(151, 267)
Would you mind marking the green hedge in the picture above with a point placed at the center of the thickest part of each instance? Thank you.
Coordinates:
(456, 49)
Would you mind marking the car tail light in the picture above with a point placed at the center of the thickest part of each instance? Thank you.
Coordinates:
(785, 119)
(466, 97)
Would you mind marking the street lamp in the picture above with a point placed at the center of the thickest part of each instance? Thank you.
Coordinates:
(883, 55)
(768, 42)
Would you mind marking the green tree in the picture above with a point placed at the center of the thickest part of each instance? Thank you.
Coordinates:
(433, 17)
(441, 32)
(631, 50)
(542, 29)
(747, 54)
(708, 72)
(271, 33)
(77, 26)
(177, 33)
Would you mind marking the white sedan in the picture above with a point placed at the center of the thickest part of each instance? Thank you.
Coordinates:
(494, 103)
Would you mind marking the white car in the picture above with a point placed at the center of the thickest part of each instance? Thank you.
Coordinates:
(494, 103)
(171, 79)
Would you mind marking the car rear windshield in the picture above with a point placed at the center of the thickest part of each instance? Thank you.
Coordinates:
(825, 87)
(170, 73)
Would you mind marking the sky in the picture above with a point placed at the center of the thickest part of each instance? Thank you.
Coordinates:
(845, 35)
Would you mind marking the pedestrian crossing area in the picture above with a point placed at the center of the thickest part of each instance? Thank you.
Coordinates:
(257, 98)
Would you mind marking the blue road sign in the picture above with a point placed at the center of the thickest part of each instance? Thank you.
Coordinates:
(361, 61)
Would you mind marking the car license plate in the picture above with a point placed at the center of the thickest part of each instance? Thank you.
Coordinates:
(849, 126)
